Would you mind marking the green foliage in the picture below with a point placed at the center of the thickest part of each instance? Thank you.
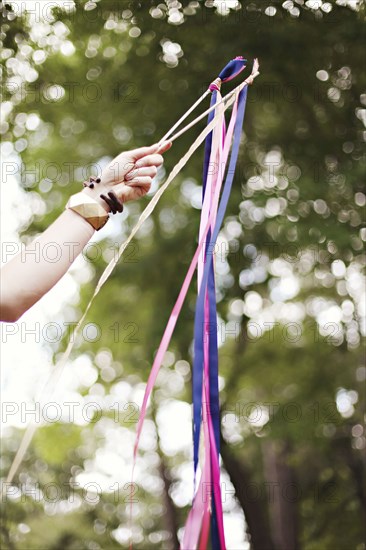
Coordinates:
(295, 214)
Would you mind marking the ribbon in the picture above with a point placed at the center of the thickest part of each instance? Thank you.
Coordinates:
(197, 519)
(217, 160)
(199, 325)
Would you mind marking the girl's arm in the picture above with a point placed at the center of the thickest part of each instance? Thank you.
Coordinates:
(34, 271)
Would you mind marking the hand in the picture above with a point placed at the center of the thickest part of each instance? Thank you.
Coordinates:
(130, 174)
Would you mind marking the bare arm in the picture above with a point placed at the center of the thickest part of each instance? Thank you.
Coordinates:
(33, 272)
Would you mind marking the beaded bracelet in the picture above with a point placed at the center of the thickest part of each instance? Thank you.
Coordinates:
(112, 200)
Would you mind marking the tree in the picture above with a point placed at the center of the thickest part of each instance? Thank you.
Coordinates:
(82, 84)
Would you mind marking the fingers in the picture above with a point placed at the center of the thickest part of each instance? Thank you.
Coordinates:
(149, 171)
(141, 152)
(140, 181)
(150, 160)
(164, 146)
(142, 162)
(133, 189)
(146, 166)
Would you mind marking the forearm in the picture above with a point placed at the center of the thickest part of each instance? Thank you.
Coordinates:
(28, 276)
(33, 272)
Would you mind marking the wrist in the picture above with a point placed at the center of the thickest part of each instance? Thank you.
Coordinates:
(88, 208)
(101, 195)
(95, 193)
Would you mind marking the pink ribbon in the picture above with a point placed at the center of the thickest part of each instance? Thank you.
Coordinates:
(197, 526)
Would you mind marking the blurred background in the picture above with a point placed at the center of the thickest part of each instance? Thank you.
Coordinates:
(84, 80)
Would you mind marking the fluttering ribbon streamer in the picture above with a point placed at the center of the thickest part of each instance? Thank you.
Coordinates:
(205, 367)
(206, 504)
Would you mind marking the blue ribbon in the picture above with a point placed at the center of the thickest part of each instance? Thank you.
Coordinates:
(234, 67)
(208, 284)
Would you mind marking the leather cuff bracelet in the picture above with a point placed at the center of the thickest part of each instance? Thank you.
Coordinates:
(89, 209)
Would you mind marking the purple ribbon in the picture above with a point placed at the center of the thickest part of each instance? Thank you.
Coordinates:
(208, 286)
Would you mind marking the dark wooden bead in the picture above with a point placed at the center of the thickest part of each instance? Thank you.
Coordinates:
(117, 203)
(109, 202)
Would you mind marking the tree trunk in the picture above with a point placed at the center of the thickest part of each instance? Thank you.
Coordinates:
(283, 495)
(254, 508)
(356, 464)
(169, 519)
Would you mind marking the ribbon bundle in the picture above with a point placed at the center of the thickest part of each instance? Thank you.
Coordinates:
(207, 500)
(219, 140)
